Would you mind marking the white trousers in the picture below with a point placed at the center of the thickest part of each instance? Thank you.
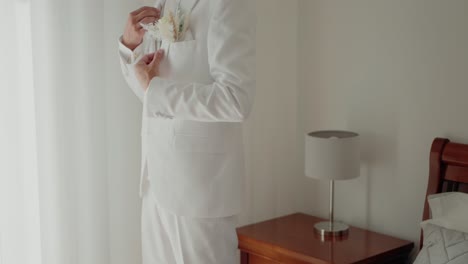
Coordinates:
(172, 239)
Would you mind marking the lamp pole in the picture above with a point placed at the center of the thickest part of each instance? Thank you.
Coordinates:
(332, 196)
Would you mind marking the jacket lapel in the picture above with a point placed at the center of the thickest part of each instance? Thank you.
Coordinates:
(171, 5)
(160, 4)
(188, 5)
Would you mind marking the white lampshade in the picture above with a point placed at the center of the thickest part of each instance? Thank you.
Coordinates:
(332, 155)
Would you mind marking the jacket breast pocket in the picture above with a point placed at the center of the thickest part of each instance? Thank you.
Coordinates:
(180, 61)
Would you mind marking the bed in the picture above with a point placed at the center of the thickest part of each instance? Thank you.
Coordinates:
(448, 177)
(448, 170)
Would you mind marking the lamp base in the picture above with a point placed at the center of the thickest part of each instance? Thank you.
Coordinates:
(331, 228)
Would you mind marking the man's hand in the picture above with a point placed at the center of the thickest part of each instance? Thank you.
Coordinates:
(148, 68)
(134, 32)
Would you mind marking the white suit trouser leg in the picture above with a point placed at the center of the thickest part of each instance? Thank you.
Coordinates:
(172, 239)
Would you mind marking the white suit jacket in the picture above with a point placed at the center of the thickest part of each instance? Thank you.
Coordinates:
(192, 134)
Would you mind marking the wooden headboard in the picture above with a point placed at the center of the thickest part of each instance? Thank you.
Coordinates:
(448, 170)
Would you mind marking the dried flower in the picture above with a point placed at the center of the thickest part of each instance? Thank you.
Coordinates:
(170, 27)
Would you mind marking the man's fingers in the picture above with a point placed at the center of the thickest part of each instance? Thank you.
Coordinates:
(145, 12)
(148, 20)
(150, 62)
(137, 11)
(158, 56)
(141, 9)
(147, 59)
(155, 13)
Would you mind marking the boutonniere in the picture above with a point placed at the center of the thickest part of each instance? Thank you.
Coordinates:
(171, 27)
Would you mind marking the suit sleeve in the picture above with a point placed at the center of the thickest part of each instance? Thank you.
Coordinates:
(231, 57)
(128, 59)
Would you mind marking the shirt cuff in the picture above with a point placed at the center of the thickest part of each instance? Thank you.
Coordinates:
(127, 55)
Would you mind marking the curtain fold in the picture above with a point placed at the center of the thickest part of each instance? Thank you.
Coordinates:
(69, 137)
(88, 131)
(19, 209)
(70, 100)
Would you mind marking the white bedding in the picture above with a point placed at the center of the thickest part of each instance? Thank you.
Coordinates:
(443, 246)
(449, 210)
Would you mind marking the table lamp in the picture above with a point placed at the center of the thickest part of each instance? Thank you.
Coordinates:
(332, 155)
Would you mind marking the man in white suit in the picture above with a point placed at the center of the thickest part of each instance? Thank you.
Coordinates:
(192, 152)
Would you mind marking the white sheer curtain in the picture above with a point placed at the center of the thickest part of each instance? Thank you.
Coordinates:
(19, 217)
(70, 90)
(69, 135)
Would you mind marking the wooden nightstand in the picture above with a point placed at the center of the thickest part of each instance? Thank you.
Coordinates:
(291, 239)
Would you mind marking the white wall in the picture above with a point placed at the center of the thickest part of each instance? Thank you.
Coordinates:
(397, 73)
(271, 159)
(123, 143)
